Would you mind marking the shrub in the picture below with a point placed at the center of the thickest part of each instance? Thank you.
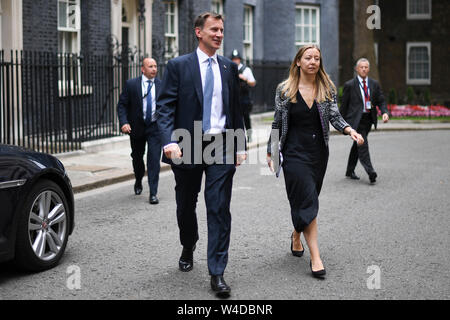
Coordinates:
(392, 97)
(427, 97)
(410, 95)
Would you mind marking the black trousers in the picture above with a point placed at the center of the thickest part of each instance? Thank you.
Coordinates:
(218, 187)
(153, 141)
(361, 152)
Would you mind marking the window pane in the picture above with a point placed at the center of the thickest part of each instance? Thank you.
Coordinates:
(306, 16)
(298, 34)
(307, 34)
(314, 18)
(166, 19)
(313, 35)
(72, 16)
(62, 15)
(124, 15)
(419, 7)
(298, 16)
(419, 62)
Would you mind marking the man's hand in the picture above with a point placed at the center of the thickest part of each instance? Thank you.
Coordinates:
(172, 152)
(126, 128)
(385, 117)
(240, 158)
(270, 162)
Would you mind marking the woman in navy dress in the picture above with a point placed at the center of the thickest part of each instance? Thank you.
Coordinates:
(305, 104)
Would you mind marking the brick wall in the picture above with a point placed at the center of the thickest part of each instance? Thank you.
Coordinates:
(95, 26)
(40, 30)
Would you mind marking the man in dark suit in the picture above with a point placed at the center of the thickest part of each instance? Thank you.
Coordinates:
(200, 97)
(360, 98)
(137, 117)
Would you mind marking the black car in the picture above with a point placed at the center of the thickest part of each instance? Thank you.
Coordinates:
(36, 208)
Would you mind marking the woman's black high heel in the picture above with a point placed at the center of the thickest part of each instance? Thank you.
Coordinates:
(296, 253)
(319, 273)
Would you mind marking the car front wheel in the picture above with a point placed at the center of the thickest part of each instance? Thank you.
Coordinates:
(43, 228)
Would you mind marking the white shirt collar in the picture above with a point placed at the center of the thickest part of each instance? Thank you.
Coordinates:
(145, 79)
(361, 79)
(202, 56)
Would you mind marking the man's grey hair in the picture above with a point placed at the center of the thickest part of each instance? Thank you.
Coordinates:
(362, 60)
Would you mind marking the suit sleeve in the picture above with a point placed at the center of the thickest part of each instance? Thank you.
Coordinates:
(381, 102)
(345, 101)
(241, 146)
(167, 103)
(123, 106)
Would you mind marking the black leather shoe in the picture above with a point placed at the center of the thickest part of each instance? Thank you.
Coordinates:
(319, 273)
(186, 262)
(296, 253)
(219, 286)
(153, 200)
(137, 188)
(352, 175)
(373, 177)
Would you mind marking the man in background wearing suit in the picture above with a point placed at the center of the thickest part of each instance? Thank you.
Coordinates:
(137, 117)
(200, 93)
(360, 98)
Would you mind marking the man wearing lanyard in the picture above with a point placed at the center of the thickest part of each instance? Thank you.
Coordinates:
(137, 117)
(360, 98)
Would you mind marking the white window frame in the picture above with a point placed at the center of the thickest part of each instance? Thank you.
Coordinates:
(76, 29)
(410, 81)
(217, 7)
(418, 16)
(302, 25)
(171, 34)
(247, 53)
(67, 86)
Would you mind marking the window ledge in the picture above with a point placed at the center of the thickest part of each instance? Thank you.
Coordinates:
(74, 91)
(418, 82)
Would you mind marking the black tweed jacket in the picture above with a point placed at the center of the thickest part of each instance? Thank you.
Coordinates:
(328, 111)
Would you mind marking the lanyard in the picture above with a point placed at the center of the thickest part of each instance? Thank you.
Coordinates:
(366, 94)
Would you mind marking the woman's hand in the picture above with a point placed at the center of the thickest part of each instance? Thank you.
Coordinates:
(356, 137)
(270, 162)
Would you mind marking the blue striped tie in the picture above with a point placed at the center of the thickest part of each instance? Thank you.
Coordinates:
(207, 96)
(148, 113)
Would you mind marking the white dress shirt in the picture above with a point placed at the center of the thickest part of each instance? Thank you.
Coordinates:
(218, 117)
(361, 89)
(145, 85)
(247, 73)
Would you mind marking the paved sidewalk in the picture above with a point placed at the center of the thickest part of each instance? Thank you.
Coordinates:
(108, 161)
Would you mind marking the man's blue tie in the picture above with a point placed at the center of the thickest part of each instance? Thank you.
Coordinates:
(148, 113)
(207, 96)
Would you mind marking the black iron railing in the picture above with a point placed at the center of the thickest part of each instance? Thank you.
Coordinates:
(53, 102)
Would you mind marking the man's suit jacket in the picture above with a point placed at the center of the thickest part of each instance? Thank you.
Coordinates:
(130, 106)
(180, 102)
(353, 104)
